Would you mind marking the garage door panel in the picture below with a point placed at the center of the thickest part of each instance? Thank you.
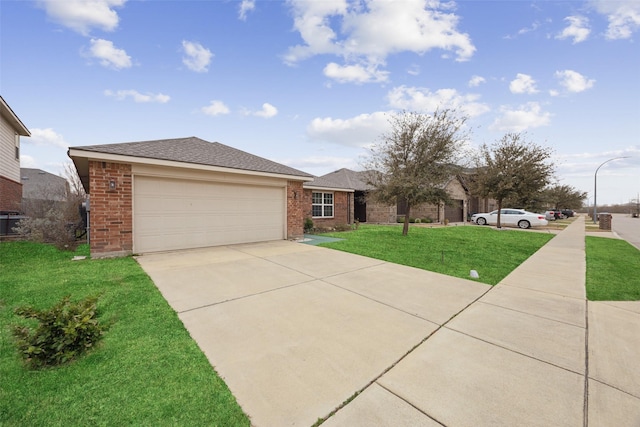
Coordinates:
(179, 214)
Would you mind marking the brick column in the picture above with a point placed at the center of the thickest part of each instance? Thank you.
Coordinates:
(295, 210)
(111, 215)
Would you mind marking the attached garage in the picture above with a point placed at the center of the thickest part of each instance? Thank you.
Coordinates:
(173, 214)
(184, 193)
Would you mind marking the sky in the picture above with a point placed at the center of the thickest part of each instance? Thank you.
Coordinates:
(312, 84)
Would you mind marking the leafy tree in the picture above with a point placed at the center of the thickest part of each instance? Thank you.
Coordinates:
(564, 196)
(414, 160)
(512, 169)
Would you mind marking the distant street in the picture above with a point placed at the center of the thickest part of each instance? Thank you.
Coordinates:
(627, 227)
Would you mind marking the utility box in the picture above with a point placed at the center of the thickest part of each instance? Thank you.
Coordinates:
(604, 221)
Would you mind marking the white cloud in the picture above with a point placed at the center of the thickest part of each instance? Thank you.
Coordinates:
(523, 83)
(267, 111)
(215, 108)
(28, 161)
(109, 55)
(525, 117)
(137, 96)
(245, 7)
(476, 81)
(422, 99)
(355, 73)
(368, 31)
(623, 17)
(359, 131)
(578, 29)
(573, 81)
(197, 57)
(46, 137)
(82, 15)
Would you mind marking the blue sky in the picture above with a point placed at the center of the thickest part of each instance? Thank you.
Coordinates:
(311, 84)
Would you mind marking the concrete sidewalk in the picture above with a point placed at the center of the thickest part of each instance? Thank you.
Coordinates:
(296, 330)
(518, 356)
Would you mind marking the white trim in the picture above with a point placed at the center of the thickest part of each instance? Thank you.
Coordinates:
(333, 204)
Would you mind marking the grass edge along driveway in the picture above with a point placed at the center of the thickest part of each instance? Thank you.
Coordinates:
(146, 370)
(454, 250)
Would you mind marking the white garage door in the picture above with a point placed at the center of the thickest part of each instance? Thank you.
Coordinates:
(180, 214)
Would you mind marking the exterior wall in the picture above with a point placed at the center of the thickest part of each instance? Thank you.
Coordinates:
(9, 165)
(296, 209)
(342, 209)
(10, 195)
(381, 214)
(111, 214)
(378, 213)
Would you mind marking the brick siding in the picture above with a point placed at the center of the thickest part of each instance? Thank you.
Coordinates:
(10, 195)
(342, 209)
(111, 215)
(295, 210)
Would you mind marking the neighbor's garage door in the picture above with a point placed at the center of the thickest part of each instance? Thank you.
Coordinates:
(180, 214)
(454, 212)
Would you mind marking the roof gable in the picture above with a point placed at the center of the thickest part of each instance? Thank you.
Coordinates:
(12, 118)
(348, 178)
(195, 151)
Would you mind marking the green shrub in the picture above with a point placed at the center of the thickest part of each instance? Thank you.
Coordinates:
(64, 332)
(308, 225)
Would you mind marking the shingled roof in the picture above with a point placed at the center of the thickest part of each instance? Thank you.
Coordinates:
(195, 151)
(348, 178)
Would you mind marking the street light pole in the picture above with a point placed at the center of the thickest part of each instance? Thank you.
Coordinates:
(595, 186)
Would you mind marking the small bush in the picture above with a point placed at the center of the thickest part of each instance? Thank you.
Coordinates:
(308, 225)
(342, 227)
(64, 332)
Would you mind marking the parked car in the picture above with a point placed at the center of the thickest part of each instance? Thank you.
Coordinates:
(568, 213)
(550, 215)
(513, 217)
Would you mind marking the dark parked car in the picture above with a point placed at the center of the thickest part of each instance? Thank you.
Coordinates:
(568, 213)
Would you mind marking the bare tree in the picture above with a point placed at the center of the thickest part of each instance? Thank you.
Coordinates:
(512, 169)
(53, 211)
(413, 161)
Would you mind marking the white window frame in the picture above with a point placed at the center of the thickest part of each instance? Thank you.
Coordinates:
(17, 141)
(324, 204)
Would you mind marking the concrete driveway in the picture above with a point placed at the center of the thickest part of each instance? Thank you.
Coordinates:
(295, 330)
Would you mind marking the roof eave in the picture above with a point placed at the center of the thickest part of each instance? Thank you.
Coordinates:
(77, 155)
(13, 118)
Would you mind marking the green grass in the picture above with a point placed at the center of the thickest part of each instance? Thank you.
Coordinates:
(613, 270)
(145, 371)
(448, 250)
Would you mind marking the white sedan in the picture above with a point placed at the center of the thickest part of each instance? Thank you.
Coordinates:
(513, 217)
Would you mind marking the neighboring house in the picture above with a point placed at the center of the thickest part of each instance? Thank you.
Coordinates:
(11, 129)
(367, 210)
(186, 193)
(39, 185)
(328, 203)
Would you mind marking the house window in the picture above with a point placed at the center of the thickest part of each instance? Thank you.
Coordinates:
(17, 137)
(322, 205)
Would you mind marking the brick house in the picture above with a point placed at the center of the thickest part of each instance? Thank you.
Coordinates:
(367, 210)
(186, 193)
(11, 129)
(327, 203)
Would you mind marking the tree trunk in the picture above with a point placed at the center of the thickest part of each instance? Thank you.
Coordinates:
(405, 228)
(498, 225)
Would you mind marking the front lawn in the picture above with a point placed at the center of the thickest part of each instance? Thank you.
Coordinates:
(146, 370)
(454, 251)
(613, 270)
